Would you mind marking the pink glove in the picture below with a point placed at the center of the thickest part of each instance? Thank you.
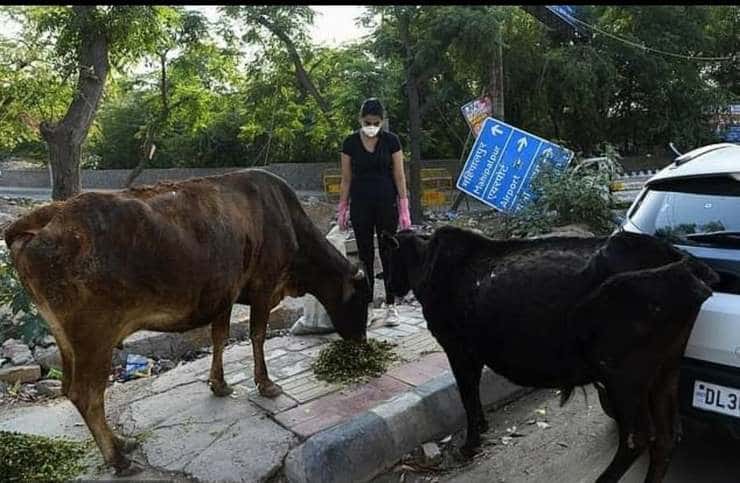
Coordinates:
(343, 215)
(404, 218)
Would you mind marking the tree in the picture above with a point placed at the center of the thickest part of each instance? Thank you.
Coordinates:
(288, 24)
(86, 40)
(178, 28)
(660, 94)
(723, 29)
(27, 71)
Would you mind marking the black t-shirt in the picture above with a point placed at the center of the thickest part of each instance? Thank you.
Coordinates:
(372, 173)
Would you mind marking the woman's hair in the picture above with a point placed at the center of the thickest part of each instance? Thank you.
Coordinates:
(371, 107)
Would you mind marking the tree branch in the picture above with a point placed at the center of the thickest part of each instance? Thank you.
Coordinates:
(301, 74)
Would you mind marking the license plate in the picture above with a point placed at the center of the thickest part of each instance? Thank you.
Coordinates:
(716, 398)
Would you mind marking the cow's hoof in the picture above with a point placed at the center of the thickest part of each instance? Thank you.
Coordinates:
(127, 445)
(269, 389)
(221, 390)
(468, 451)
(127, 468)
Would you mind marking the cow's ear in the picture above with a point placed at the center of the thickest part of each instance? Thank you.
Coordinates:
(616, 247)
(359, 275)
(390, 240)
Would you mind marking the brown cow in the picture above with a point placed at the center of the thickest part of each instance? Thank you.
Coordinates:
(170, 258)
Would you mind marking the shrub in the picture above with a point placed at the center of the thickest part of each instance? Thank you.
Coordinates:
(24, 320)
(578, 195)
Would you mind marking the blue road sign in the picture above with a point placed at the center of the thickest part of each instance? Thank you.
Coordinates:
(504, 161)
(563, 11)
(731, 134)
(566, 14)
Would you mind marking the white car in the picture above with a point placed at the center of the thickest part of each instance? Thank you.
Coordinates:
(695, 203)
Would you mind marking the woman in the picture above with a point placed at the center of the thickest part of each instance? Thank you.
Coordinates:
(373, 191)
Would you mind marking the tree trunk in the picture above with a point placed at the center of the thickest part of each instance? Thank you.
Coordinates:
(66, 137)
(146, 153)
(412, 91)
(496, 89)
(64, 159)
(417, 214)
(303, 78)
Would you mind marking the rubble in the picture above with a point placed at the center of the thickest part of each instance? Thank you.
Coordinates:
(48, 357)
(163, 365)
(13, 374)
(431, 453)
(49, 387)
(46, 341)
(18, 352)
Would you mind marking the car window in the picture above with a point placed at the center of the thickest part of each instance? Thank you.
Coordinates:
(674, 214)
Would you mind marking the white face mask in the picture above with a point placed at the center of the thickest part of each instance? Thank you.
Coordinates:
(371, 131)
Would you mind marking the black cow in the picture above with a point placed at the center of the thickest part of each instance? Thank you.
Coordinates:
(562, 313)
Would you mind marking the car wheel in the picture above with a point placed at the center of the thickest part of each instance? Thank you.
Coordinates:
(604, 400)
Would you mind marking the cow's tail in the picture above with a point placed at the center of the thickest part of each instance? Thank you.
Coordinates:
(20, 232)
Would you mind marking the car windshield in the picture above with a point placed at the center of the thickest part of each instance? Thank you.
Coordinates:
(690, 218)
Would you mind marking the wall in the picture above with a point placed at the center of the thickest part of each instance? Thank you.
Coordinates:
(301, 176)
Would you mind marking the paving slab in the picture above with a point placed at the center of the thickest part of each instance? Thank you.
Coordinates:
(327, 432)
(188, 430)
(418, 372)
(57, 419)
(305, 387)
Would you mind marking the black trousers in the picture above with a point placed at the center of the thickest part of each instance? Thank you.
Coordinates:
(372, 217)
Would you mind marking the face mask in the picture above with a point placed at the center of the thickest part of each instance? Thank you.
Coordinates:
(371, 131)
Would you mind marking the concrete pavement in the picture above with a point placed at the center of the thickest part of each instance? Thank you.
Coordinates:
(313, 430)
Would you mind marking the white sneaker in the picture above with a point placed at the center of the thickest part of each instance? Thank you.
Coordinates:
(391, 316)
(386, 315)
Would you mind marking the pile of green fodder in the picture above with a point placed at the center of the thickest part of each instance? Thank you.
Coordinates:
(345, 361)
(25, 457)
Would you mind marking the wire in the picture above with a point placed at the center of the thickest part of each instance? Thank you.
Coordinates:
(646, 48)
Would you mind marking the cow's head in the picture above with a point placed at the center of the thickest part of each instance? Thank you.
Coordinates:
(626, 251)
(350, 316)
(405, 253)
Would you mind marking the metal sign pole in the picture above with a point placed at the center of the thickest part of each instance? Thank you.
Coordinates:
(460, 195)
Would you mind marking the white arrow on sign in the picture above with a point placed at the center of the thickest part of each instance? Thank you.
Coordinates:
(521, 144)
(547, 152)
(496, 130)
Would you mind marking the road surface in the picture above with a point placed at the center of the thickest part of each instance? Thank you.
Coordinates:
(573, 444)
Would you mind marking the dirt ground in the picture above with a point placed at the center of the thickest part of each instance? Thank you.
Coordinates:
(534, 440)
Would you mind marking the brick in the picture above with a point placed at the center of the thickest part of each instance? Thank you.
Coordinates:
(421, 371)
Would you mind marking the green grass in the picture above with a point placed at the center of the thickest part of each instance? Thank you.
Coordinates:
(25, 457)
(346, 362)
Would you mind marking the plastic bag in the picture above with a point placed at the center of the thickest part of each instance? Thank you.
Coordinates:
(315, 320)
(137, 367)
